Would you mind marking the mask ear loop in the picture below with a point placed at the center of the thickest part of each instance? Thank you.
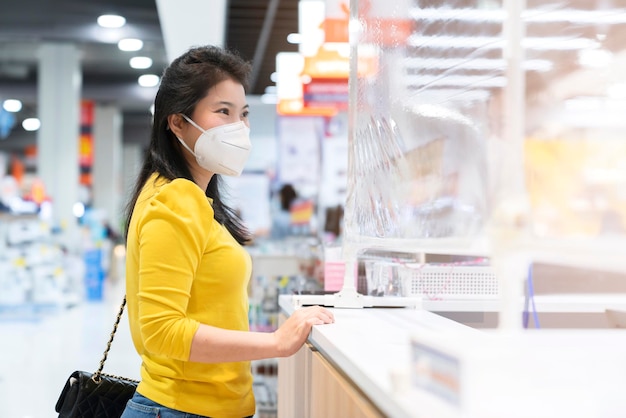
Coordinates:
(167, 128)
(186, 146)
(188, 119)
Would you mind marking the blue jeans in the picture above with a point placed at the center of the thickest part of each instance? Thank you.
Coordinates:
(141, 407)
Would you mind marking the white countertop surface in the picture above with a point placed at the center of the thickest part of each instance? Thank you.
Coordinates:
(371, 344)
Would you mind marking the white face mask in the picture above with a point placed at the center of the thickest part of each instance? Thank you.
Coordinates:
(223, 149)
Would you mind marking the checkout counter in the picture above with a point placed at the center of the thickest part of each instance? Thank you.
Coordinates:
(356, 367)
(410, 362)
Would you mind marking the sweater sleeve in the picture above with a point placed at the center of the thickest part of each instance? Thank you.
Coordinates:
(173, 233)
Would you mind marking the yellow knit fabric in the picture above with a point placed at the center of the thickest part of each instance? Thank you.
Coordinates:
(183, 268)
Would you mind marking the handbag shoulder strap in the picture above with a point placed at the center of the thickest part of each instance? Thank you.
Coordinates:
(98, 373)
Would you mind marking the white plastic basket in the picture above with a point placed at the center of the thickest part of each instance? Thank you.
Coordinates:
(445, 282)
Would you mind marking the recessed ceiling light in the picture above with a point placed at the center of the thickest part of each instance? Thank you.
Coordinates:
(141, 62)
(294, 38)
(31, 124)
(12, 105)
(130, 44)
(111, 21)
(78, 209)
(148, 80)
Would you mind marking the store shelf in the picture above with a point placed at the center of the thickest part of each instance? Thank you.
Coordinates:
(35, 280)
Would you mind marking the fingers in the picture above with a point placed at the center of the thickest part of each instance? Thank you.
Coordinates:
(294, 332)
(325, 316)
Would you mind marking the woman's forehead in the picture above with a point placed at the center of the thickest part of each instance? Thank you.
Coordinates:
(227, 91)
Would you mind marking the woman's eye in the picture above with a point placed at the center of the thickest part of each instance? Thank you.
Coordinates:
(245, 115)
(224, 111)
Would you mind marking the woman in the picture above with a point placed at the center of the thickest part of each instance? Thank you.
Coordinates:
(186, 270)
(281, 218)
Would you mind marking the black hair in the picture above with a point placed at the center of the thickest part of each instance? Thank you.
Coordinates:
(185, 82)
(287, 195)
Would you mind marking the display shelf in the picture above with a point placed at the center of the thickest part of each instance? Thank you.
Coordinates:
(34, 280)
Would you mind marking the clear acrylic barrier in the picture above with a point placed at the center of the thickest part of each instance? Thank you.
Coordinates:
(422, 116)
(472, 131)
(425, 102)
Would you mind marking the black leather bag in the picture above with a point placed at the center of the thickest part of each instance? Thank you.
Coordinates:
(96, 395)
(86, 395)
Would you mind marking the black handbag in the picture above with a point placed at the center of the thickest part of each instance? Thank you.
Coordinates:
(96, 395)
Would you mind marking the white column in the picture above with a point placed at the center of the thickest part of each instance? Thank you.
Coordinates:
(107, 164)
(133, 159)
(182, 30)
(58, 91)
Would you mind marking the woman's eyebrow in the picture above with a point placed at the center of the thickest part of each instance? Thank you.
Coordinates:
(229, 104)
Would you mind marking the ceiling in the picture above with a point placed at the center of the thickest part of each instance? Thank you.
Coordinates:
(256, 28)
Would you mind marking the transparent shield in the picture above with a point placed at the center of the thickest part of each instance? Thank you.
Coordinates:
(426, 103)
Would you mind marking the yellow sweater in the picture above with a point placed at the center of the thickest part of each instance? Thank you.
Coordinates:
(183, 268)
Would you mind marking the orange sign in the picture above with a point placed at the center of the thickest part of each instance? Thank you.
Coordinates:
(386, 26)
(328, 63)
(336, 22)
(301, 212)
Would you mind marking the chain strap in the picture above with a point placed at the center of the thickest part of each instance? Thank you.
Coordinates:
(97, 376)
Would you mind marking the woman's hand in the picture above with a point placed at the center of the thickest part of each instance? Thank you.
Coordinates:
(294, 332)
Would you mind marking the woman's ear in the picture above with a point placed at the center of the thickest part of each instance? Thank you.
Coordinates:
(176, 124)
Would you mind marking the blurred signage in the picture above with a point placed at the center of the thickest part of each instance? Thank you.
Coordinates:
(315, 80)
(387, 26)
(336, 21)
(326, 92)
(85, 153)
(329, 62)
(301, 212)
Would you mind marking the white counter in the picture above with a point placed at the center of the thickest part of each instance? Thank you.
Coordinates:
(370, 345)
(489, 373)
